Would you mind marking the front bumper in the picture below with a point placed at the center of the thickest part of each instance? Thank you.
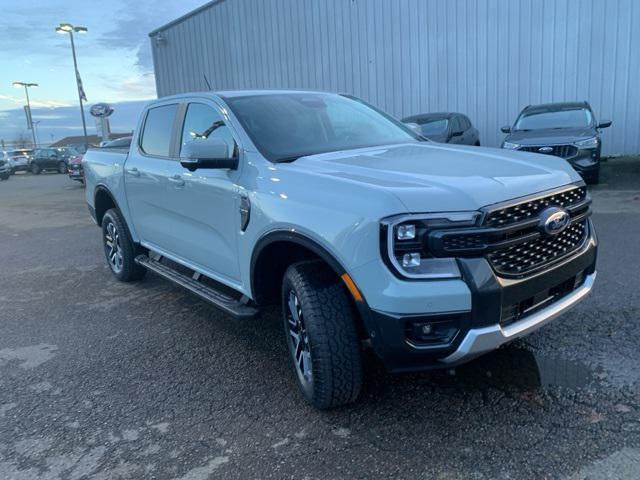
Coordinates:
(481, 326)
(482, 340)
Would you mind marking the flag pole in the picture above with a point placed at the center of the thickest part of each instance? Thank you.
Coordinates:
(80, 91)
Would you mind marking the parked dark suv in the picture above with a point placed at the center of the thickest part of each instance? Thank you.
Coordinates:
(445, 127)
(51, 159)
(568, 130)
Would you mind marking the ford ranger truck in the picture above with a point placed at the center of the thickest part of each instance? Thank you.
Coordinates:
(367, 234)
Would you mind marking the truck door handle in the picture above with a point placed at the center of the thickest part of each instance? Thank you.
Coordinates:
(178, 180)
(134, 172)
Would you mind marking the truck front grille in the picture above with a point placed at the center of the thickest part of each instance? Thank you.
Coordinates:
(524, 257)
(562, 151)
(526, 210)
(512, 236)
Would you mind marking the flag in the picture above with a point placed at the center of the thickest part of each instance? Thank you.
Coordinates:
(83, 95)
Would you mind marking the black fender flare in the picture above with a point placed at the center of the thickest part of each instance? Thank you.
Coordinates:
(102, 189)
(297, 238)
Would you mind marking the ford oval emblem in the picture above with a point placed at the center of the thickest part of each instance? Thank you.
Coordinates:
(545, 149)
(554, 220)
(101, 110)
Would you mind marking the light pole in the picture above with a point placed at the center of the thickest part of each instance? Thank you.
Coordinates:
(29, 117)
(70, 29)
(35, 131)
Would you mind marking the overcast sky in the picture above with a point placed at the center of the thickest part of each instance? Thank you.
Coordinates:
(114, 60)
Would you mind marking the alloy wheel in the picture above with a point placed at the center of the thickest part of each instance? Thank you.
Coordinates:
(113, 248)
(299, 340)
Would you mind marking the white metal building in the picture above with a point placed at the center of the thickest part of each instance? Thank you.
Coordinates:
(484, 58)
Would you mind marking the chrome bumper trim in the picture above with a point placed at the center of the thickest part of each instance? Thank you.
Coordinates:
(482, 340)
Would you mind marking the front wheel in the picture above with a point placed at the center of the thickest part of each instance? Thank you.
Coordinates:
(35, 169)
(62, 167)
(321, 335)
(119, 248)
(5, 176)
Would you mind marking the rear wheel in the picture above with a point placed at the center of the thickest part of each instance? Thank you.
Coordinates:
(5, 176)
(62, 167)
(119, 248)
(477, 144)
(35, 169)
(321, 335)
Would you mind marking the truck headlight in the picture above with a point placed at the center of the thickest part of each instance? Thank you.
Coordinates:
(588, 143)
(510, 146)
(404, 246)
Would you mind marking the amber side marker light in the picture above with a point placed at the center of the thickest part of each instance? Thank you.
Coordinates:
(352, 287)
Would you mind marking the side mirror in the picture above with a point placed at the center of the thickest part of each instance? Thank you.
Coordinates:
(505, 129)
(207, 153)
(604, 124)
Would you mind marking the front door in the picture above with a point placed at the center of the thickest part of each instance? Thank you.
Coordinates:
(204, 204)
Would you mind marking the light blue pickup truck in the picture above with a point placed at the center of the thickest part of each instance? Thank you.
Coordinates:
(367, 235)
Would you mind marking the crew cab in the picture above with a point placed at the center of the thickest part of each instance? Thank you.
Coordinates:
(364, 232)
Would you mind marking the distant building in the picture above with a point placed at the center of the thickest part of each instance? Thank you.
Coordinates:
(486, 59)
(78, 140)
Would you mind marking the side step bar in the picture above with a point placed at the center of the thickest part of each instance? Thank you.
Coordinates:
(231, 306)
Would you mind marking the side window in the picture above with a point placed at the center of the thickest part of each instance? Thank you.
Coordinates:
(158, 127)
(467, 123)
(203, 121)
(456, 125)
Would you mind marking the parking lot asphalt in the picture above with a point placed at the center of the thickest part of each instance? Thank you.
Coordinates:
(105, 380)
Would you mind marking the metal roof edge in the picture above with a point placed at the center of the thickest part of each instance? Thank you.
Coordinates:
(184, 17)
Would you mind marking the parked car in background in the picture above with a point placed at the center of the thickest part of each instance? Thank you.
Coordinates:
(76, 172)
(364, 233)
(568, 130)
(19, 159)
(124, 142)
(446, 128)
(5, 167)
(48, 159)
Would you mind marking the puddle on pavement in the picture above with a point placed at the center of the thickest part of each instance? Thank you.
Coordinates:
(525, 370)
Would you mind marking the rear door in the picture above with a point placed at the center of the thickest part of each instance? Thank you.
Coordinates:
(145, 174)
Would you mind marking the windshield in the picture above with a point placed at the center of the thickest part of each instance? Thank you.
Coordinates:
(286, 126)
(434, 126)
(569, 118)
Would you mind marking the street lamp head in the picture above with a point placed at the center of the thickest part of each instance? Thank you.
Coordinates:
(80, 29)
(23, 84)
(64, 27)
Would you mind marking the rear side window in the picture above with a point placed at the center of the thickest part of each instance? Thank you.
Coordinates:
(158, 128)
(456, 124)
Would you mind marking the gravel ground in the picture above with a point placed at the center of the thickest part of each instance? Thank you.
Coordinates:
(105, 380)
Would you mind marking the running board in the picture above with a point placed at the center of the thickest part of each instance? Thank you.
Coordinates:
(227, 304)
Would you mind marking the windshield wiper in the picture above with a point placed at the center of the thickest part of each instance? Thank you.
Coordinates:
(290, 159)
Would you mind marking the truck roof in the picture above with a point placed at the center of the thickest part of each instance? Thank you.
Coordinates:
(239, 93)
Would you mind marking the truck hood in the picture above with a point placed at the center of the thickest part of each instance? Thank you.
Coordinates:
(428, 177)
(550, 136)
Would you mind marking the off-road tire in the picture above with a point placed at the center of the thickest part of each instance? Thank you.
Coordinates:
(336, 363)
(35, 169)
(129, 270)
